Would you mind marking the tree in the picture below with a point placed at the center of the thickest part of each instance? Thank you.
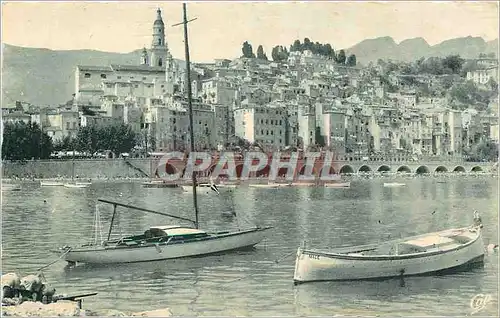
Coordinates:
(351, 60)
(341, 57)
(260, 53)
(275, 54)
(296, 46)
(283, 54)
(492, 85)
(307, 45)
(279, 53)
(454, 63)
(485, 150)
(23, 141)
(247, 50)
(328, 51)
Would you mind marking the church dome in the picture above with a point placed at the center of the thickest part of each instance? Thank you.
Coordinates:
(159, 20)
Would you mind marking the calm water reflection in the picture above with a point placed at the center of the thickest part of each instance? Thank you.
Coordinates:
(37, 220)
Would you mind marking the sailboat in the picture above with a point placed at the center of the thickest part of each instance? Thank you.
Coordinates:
(164, 241)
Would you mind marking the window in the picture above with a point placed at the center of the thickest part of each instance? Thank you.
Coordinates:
(119, 77)
(103, 75)
(143, 78)
(160, 62)
(159, 42)
(67, 125)
(87, 75)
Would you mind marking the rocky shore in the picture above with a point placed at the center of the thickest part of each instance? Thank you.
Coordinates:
(71, 309)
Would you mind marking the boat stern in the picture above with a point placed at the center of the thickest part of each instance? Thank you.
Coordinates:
(300, 266)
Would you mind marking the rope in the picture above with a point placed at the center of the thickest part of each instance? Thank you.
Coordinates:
(60, 257)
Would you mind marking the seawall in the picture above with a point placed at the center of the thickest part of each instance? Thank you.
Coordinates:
(96, 168)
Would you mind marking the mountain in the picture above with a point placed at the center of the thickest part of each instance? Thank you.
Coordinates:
(412, 49)
(47, 77)
(374, 49)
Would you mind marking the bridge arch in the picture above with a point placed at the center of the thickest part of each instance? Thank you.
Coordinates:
(384, 168)
(282, 172)
(441, 169)
(459, 169)
(404, 169)
(324, 170)
(364, 168)
(422, 169)
(346, 169)
(264, 172)
(169, 170)
(239, 170)
(476, 169)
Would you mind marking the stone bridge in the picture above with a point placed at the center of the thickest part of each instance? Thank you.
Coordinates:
(335, 167)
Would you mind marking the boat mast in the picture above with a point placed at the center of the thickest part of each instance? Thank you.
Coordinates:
(190, 106)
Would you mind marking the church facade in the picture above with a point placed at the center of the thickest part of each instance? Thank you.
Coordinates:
(156, 74)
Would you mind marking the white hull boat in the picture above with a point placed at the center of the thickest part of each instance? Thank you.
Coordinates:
(303, 184)
(225, 185)
(338, 185)
(189, 242)
(76, 185)
(51, 184)
(269, 185)
(393, 184)
(423, 254)
(200, 189)
(11, 187)
(84, 183)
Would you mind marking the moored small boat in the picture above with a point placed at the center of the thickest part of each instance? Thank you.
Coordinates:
(158, 184)
(269, 185)
(76, 185)
(303, 184)
(393, 184)
(201, 188)
(338, 185)
(11, 187)
(164, 242)
(417, 255)
(51, 183)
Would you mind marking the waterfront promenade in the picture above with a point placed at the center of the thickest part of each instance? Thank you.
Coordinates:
(149, 167)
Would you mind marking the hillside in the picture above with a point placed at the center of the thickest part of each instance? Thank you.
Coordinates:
(46, 77)
(412, 49)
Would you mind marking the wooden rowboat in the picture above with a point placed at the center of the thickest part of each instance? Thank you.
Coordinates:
(417, 255)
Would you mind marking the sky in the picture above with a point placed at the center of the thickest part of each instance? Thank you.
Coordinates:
(222, 27)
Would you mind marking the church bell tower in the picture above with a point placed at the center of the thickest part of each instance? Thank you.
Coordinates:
(159, 48)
